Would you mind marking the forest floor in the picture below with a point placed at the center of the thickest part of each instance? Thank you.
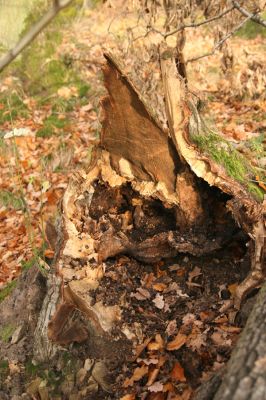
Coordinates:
(48, 129)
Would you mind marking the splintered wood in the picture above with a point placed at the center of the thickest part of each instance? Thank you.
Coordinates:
(148, 197)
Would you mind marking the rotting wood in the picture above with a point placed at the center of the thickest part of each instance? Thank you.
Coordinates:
(129, 131)
(131, 203)
(249, 214)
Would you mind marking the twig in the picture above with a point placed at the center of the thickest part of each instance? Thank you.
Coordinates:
(220, 43)
(193, 25)
(33, 32)
(254, 17)
(185, 26)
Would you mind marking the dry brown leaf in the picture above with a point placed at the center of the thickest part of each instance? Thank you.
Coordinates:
(168, 387)
(171, 328)
(219, 338)
(159, 301)
(156, 396)
(230, 329)
(156, 387)
(148, 279)
(152, 378)
(161, 361)
(153, 346)
(207, 315)
(232, 288)
(158, 344)
(177, 343)
(128, 397)
(221, 320)
(138, 374)
(141, 294)
(160, 287)
(194, 274)
(49, 253)
(139, 349)
(177, 373)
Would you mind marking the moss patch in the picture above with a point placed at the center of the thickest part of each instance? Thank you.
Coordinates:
(235, 164)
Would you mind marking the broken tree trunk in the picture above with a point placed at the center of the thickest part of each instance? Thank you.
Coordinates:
(184, 121)
(148, 197)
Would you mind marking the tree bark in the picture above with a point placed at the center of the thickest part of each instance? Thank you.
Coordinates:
(245, 378)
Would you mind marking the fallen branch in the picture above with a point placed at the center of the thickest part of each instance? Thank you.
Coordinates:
(33, 32)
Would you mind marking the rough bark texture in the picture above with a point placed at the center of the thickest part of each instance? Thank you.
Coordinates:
(245, 378)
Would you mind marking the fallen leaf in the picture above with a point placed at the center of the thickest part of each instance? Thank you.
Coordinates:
(221, 320)
(168, 387)
(160, 287)
(232, 288)
(138, 374)
(194, 274)
(128, 397)
(230, 329)
(156, 387)
(156, 396)
(139, 349)
(177, 373)
(177, 343)
(158, 344)
(207, 315)
(141, 294)
(171, 328)
(152, 378)
(159, 301)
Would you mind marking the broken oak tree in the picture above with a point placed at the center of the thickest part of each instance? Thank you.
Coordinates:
(148, 195)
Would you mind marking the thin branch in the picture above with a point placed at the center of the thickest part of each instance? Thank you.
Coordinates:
(220, 43)
(254, 17)
(185, 26)
(193, 25)
(33, 32)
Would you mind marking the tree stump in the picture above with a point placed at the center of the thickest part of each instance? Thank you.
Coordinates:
(148, 196)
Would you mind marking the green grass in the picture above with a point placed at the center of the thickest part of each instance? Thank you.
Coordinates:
(4, 370)
(51, 125)
(7, 290)
(26, 265)
(9, 199)
(41, 71)
(256, 145)
(12, 107)
(251, 30)
(6, 332)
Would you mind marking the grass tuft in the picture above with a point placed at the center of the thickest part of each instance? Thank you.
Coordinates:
(6, 332)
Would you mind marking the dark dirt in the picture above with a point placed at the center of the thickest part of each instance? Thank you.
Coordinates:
(185, 294)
